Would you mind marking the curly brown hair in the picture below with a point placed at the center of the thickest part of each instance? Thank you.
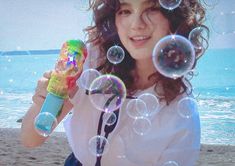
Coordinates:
(103, 33)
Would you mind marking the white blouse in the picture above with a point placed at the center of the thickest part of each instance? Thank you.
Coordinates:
(171, 137)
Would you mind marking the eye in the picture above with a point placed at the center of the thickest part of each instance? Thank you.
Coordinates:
(124, 12)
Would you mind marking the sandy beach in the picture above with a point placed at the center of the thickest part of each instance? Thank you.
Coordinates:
(56, 149)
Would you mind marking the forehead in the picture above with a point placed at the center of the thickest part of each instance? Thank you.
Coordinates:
(135, 2)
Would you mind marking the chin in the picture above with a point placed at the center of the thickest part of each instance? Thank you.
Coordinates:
(141, 55)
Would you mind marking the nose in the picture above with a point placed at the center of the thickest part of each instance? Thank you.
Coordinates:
(138, 22)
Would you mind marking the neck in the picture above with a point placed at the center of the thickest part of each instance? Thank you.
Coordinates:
(144, 68)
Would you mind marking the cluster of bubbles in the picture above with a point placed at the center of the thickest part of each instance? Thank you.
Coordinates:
(141, 110)
(107, 93)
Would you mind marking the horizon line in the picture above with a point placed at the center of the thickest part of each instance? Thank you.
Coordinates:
(30, 52)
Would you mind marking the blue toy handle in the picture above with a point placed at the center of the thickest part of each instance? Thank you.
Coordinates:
(52, 105)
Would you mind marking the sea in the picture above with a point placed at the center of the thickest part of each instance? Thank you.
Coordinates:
(213, 86)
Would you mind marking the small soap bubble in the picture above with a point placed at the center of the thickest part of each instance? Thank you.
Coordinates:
(199, 37)
(44, 123)
(170, 163)
(107, 93)
(115, 54)
(142, 125)
(98, 145)
(10, 81)
(152, 104)
(186, 107)
(173, 56)
(87, 77)
(109, 118)
(135, 108)
(170, 4)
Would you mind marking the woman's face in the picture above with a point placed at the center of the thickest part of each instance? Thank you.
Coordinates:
(140, 25)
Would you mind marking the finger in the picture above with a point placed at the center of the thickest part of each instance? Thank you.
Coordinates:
(42, 83)
(47, 74)
(37, 99)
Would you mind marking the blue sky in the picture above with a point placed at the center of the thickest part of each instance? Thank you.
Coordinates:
(45, 24)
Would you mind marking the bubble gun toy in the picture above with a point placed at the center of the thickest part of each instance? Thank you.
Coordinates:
(63, 78)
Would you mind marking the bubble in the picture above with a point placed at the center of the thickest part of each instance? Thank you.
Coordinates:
(115, 54)
(173, 56)
(98, 145)
(170, 163)
(199, 37)
(11, 81)
(186, 106)
(87, 77)
(82, 5)
(211, 3)
(107, 93)
(109, 118)
(170, 4)
(44, 123)
(142, 125)
(135, 108)
(222, 24)
(152, 104)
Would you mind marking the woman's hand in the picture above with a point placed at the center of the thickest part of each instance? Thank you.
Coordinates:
(29, 136)
(41, 89)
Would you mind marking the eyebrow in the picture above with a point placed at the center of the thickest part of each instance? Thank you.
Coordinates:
(124, 4)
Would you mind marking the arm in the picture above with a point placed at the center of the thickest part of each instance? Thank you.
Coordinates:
(29, 136)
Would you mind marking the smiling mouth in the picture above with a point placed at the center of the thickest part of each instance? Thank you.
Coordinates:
(139, 40)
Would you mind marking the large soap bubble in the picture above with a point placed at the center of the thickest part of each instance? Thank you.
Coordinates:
(173, 56)
(87, 77)
(107, 93)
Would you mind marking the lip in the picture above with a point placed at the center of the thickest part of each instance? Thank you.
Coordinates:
(139, 41)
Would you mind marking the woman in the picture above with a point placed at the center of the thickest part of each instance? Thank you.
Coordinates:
(136, 26)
